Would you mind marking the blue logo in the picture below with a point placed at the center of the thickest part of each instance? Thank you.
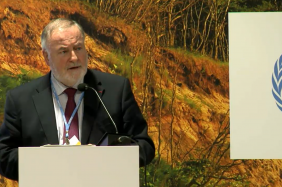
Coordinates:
(277, 82)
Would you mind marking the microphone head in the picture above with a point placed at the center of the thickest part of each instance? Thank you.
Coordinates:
(82, 87)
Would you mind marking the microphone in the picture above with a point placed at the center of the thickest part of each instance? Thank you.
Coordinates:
(84, 87)
(107, 139)
(114, 139)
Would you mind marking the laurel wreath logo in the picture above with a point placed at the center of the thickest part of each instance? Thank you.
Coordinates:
(277, 82)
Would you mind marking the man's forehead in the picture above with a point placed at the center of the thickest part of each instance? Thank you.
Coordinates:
(70, 40)
(66, 35)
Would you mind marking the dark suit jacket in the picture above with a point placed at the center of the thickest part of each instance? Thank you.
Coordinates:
(30, 118)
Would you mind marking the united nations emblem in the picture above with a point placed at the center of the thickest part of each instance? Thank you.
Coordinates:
(277, 82)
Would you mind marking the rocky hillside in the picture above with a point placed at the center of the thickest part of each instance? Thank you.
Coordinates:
(184, 96)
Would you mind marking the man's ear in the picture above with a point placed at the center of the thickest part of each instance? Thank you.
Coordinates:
(46, 57)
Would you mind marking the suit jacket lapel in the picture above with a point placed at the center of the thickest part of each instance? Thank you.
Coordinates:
(91, 105)
(43, 102)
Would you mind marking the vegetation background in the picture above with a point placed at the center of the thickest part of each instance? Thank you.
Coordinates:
(175, 53)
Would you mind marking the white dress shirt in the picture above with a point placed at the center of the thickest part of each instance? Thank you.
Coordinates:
(60, 88)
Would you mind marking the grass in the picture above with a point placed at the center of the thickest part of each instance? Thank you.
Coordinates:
(8, 81)
(191, 103)
(197, 55)
(119, 63)
(168, 96)
(205, 103)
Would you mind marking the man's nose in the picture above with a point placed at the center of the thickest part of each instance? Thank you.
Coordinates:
(73, 55)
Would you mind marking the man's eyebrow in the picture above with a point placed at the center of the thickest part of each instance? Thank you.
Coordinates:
(62, 48)
(78, 43)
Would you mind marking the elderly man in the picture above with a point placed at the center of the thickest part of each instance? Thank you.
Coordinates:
(50, 109)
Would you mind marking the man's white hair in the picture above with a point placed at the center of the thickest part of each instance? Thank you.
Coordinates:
(56, 24)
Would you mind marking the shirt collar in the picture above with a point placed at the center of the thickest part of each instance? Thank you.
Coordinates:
(59, 87)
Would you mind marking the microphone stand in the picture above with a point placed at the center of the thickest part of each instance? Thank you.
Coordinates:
(115, 139)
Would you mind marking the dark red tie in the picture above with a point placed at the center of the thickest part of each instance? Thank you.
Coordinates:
(73, 130)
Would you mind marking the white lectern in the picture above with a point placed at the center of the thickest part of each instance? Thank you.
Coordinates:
(79, 166)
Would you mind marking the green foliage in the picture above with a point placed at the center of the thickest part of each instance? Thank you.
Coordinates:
(205, 103)
(253, 6)
(88, 3)
(158, 174)
(8, 82)
(120, 63)
(168, 96)
(197, 55)
(167, 76)
(191, 103)
(186, 52)
(195, 172)
(26, 76)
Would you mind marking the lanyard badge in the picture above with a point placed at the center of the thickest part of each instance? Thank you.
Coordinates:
(67, 124)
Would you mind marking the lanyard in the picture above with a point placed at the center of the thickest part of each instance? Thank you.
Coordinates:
(67, 124)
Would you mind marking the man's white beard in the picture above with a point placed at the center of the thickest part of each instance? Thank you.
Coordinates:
(69, 80)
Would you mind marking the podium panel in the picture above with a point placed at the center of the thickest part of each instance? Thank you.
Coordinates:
(75, 166)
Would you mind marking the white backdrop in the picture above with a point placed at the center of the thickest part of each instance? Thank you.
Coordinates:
(255, 44)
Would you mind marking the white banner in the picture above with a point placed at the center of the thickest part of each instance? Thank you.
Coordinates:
(255, 47)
